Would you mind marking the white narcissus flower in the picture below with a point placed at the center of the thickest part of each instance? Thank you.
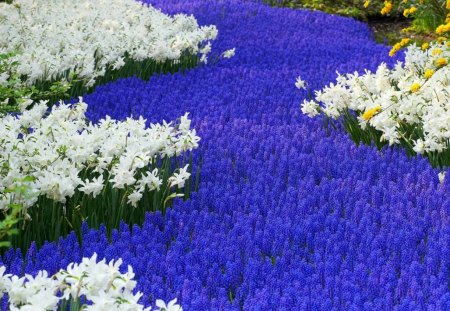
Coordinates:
(178, 179)
(300, 84)
(134, 198)
(310, 108)
(150, 180)
(229, 53)
(93, 187)
(171, 306)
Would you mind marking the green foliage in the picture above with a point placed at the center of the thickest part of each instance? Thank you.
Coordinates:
(351, 8)
(13, 214)
(14, 93)
(48, 220)
(371, 136)
(142, 69)
(430, 15)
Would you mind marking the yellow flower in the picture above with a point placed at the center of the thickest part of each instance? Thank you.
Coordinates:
(407, 29)
(395, 49)
(425, 46)
(405, 1)
(412, 10)
(371, 112)
(436, 52)
(406, 13)
(387, 7)
(366, 4)
(441, 29)
(448, 5)
(441, 39)
(441, 62)
(404, 41)
(428, 73)
(415, 87)
(398, 46)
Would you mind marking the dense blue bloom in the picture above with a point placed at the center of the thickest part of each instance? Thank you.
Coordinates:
(287, 217)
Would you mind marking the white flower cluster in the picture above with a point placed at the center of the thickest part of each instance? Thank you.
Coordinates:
(57, 38)
(100, 283)
(55, 149)
(415, 94)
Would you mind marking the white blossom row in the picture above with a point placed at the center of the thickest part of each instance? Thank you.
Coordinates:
(414, 95)
(90, 285)
(54, 147)
(63, 38)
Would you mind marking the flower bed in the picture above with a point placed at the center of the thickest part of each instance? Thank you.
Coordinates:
(407, 105)
(90, 43)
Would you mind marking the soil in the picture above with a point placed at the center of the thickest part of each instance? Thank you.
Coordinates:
(388, 30)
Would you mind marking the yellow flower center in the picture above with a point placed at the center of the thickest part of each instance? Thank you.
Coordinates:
(415, 87)
(428, 73)
(436, 52)
(371, 112)
(441, 62)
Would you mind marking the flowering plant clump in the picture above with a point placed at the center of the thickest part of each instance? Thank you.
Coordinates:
(430, 16)
(78, 171)
(89, 286)
(408, 105)
(86, 40)
(15, 95)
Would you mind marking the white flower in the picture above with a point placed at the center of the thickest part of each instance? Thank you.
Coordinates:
(310, 108)
(178, 179)
(229, 53)
(441, 176)
(150, 180)
(134, 198)
(171, 306)
(94, 187)
(300, 84)
(204, 59)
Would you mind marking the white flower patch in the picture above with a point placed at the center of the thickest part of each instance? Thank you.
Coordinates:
(100, 283)
(62, 38)
(55, 147)
(414, 94)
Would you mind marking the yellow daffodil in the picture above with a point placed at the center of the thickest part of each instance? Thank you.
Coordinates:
(441, 62)
(436, 51)
(371, 112)
(415, 87)
(387, 7)
(428, 73)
